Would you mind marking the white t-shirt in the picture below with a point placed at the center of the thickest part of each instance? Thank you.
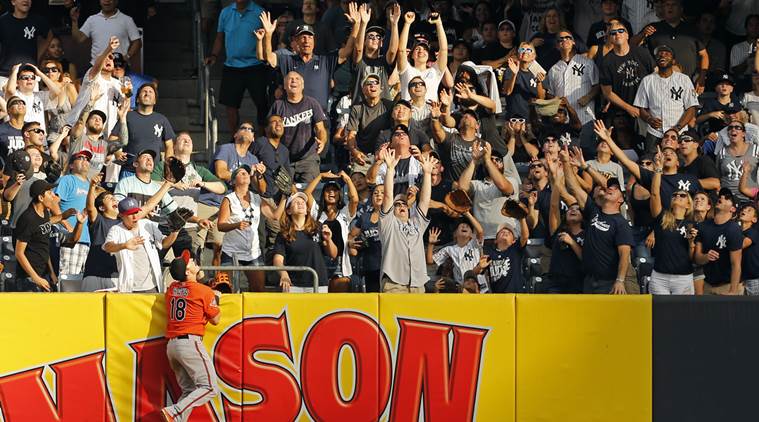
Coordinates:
(107, 103)
(431, 77)
(100, 29)
(35, 107)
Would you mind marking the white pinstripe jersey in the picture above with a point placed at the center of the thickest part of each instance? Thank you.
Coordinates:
(740, 53)
(639, 13)
(666, 98)
(574, 80)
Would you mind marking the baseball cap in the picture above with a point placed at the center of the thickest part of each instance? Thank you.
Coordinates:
(39, 187)
(688, 135)
(725, 78)
(26, 68)
(613, 181)
(292, 197)
(400, 197)
(304, 29)
(237, 170)
(663, 47)
(404, 103)
(129, 206)
(470, 112)
(401, 127)
(508, 226)
(20, 162)
(377, 30)
(15, 99)
(727, 193)
(82, 153)
(102, 115)
(178, 266)
(149, 151)
(119, 60)
(371, 76)
(507, 22)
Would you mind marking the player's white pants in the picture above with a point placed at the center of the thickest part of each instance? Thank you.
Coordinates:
(195, 374)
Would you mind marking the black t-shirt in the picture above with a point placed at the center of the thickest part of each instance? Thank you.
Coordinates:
(564, 262)
(525, 88)
(672, 250)
(505, 269)
(624, 73)
(11, 139)
(337, 235)
(723, 238)
(306, 251)
(702, 167)
(491, 51)
(711, 105)
(543, 204)
(641, 210)
(438, 218)
(18, 38)
(670, 183)
(99, 262)
(35, 231)
(272, 158)
(684, 39)
(372, 250)
(750, 261)
(603, 233)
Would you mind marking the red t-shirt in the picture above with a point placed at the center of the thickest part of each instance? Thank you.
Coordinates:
(189, 306)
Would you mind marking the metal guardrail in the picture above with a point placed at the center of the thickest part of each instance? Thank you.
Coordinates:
(264, 268)
(205, 95)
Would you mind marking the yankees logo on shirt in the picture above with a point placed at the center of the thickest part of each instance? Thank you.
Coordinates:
(676, 93)
(721, 241)
(29, 32)
(683, 185)
(157, 130)
(578, 69)
(574, 80)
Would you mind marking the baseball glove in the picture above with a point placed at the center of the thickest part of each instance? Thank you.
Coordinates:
(177, 219)
(221, 282)
(282, 180)
(173, 170)
(458, 201)
(514, 209)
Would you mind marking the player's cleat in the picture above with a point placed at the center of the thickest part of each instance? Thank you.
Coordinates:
(165, 416)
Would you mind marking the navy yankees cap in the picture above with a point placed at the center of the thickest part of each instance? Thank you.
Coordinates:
(664, 47)
(304, 29)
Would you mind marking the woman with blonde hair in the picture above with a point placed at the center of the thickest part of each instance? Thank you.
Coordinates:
(56, 106)
(301, 242)
(675, 239)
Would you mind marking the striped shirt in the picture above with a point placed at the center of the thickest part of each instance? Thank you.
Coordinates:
(639, 12)
(740, 54)
(666, 98)
(574, 80)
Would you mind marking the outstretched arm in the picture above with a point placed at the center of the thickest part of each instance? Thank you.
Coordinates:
(655, 203)
(442, 42)
(388, 156)
(428, 164)
(605, 134)
(408, 19)
(269, 28)
(392, 48)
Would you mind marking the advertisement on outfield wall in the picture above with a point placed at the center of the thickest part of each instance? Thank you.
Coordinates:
(278, 357)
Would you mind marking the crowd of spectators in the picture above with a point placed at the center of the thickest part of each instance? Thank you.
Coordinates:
(552, 146)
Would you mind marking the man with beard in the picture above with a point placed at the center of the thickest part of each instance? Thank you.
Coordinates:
(456, 148)
(270, 151)
(666, 99)
(366, 119)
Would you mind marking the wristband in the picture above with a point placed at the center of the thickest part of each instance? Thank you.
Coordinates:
(620, 280)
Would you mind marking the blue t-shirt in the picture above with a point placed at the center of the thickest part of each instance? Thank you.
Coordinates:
(73, 193)
(239, 40)
(228, 154)
(316, 73)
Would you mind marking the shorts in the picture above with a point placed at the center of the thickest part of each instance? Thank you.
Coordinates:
(212, 235)
(227, 260)
(235, 81)
(389, 286)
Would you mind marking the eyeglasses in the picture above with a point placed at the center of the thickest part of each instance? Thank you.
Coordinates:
(647, 163)
(50, 70)
(617, 31)
(37, 130)
(566, 38)
(26, 78)
(516, 120)
(497, 159)
(373, 37)
(525, 50)
(416, 84)
(536, 165)
(684, 140)
(247, 128)
(400, 203)
(679, 195)
(735, 127)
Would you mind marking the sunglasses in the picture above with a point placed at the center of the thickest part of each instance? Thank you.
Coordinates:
(246, 128)
(538, 165)
(617, 31)
(566, 38)
(400, 203)
(373, 37)
(735, 127)
(371, 82)
(416, 84)
(525, 50)
(516, 120)
(679, 195)
(50, 70)
(17, 103)
(497, 159)
(26, 78)
(684, 140)
(37, 130)
(646, 163)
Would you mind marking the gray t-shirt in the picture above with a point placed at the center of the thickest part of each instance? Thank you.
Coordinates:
(403, 259)
(368, 122)
(609, 170)
(300, 120)
(143, 273)
(368, 66)
(456, 153)
(731, 168)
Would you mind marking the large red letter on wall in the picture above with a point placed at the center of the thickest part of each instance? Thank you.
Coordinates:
(449, 389)
(81, 393)
(153, 378)
(279, 390)
(320, 368)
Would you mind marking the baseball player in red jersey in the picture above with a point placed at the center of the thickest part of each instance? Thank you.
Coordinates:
(190, 305)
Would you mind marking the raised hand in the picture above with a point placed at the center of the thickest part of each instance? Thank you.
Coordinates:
(353, 14)
(80, 217)
(484, 262)
(409, 17)
(259, 33)
(415, 151)
(577, 158)
(487, 151)
(600, 129)
(74, 14)
(326, 232)
(114, 43)
(428, 163)
(445, 97)
(434, 18)
(513, 64)
(395, 13)
(390, 160)
(434, 235)
(462, 91)
(658, 158)
(434, 109)
(365, 12)
(477, 151)
(267, 23)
